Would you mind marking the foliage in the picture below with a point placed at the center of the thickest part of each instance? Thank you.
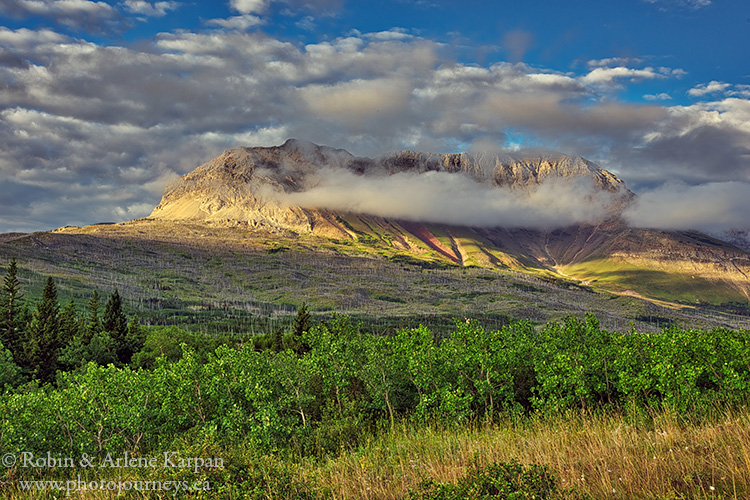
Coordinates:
(10, 373)
(112, 386)
(511, 481)
(116, 324)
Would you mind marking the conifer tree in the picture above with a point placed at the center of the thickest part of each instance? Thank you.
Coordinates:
(116, 324)
(301, 325)
(93, 321)
(11, 309)
(135, 339)
(69, 325)
(43, 346)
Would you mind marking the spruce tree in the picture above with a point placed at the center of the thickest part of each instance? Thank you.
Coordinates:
(11, 309)
(301, 325)
(93, 322)
(69, 323)
(43, 346)
(116, 324)
(136, 337)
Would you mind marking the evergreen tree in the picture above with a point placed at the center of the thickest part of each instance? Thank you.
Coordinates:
(11, 312)
(69, 324)
(93, 322)
(116, 324)
(301, 325)
(10, 373)
(135, 339)
(43, 346)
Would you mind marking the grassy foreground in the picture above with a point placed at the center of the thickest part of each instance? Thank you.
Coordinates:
(599, 455)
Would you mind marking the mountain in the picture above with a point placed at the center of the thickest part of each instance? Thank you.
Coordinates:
(255, 185)
(252, 187)
(256, 232)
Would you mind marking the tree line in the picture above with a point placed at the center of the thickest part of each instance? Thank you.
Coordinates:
(38, 341)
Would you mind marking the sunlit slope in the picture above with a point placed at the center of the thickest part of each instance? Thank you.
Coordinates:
(685, 267)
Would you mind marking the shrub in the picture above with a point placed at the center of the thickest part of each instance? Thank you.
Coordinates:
(493, 481)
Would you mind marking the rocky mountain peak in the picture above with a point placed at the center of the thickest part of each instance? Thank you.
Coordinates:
(245, 184)
(504, 170)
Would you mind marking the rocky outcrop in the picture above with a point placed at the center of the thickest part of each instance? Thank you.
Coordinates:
(238, 186)
(504, 170)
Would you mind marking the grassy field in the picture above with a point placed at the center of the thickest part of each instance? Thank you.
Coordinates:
(589, 455)
(680, 287)
(602, 455)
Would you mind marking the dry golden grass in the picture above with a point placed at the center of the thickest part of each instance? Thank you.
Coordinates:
(605, 456)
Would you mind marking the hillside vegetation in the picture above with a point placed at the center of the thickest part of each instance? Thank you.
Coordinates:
(215, 278)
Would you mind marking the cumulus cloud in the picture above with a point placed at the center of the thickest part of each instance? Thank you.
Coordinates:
(358, 101)
(93, 16)
(614, 61)
(240, 23)
(249, 6)
(663, 96)
(708, 88)
(456, 199)
(155, 9)
(703, 142)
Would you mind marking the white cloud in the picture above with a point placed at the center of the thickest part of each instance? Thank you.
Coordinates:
(608, 75)
(658, 97)
(455, 199)
(357, 101)
(78, 14)
(249, 6)
(614, 61)
(240, 23)
(689, 4)
(155, 9)
(708, 88)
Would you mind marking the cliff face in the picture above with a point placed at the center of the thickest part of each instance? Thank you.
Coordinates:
(238, 187)
(504, 170)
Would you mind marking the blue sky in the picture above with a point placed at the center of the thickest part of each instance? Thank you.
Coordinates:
(103, 103)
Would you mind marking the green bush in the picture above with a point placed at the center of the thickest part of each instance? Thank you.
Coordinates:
(506, 481)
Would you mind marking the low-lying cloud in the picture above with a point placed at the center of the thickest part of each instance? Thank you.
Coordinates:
(454, 198)
(712, 207)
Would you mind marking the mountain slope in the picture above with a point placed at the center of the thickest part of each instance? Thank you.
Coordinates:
(228, 240)
(252, 188)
